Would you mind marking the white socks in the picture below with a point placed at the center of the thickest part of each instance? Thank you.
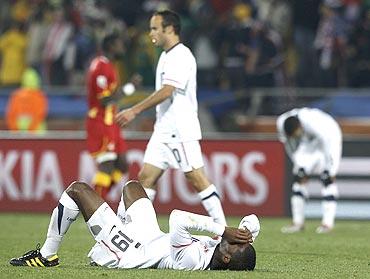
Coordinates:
(298, 201)
(297, 204)
(121, 210)
(150, 193)
(62, 217)
(329, 204)
(212, 203)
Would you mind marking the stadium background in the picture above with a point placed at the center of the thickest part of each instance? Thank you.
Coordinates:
(256, 59)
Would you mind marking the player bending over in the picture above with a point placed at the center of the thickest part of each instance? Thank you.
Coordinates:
(313, 141)
(133, 239)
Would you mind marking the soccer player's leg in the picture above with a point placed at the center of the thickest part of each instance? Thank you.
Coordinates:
(329, 190)
(77, 197)
(131, 192)
(155, 162)
(330, 195)
(190, 160)
(298, 200)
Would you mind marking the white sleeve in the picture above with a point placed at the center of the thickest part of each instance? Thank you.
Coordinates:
(182, 221)
(177, 71)
(184, 254)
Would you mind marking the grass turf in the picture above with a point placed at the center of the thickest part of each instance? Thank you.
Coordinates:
(344, 253)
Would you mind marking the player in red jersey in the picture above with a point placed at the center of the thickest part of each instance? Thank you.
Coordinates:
(104, 140)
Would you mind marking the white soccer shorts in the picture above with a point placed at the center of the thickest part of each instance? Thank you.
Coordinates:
(312, 159)
(179, 155)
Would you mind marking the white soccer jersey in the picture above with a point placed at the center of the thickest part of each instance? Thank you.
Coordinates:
(138, 242)
(177, 117)
(321, 141)
(191, 252)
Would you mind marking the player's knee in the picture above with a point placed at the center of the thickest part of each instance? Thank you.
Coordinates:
(77, 189)
(326, 179)
(132, 185)
(174, 216)
(133, 188)
(301, 176)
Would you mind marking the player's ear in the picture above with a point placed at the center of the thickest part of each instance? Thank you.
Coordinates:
(169, 29)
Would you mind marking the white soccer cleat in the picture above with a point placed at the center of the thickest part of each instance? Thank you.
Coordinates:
(292, 229)
(323, 229)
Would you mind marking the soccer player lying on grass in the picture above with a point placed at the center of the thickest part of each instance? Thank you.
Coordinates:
(133, 239)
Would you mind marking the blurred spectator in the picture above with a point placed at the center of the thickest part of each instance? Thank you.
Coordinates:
(143, 57)
(278, 14)
(13, 45)
(263, 57)
(37, 35)
(58, 49)
(330, 43)
(204, 44)
(27, 106)
(234, 37)
(305, 21)
(21, 10)
(359, 53)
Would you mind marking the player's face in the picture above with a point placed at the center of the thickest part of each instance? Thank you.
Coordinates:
(157, 33)
(298, 133)
(118, 47)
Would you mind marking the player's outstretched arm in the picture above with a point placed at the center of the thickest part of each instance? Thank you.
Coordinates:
(126, 116)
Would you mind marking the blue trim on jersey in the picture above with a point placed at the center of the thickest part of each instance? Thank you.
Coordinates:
(298, 193)
(60, 215)
(212, 194)
(329, 198)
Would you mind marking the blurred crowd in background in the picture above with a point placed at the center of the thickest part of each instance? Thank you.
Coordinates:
(237, 43)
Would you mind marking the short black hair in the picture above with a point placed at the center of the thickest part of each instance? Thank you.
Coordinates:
(291, 124)
(240, 260)
(243, 260)
(108, 40)
(170, 18)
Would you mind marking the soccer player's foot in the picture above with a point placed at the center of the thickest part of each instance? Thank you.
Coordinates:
(292, 228)
(34, 258)
(324, 229)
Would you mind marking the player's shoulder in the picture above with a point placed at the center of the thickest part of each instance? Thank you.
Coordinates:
(182, 52)
(99, 61)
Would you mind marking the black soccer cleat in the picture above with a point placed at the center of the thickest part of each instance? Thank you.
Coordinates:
(33, 258)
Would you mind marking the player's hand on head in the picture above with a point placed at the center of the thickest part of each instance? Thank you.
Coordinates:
(237, 236)
(125, 116)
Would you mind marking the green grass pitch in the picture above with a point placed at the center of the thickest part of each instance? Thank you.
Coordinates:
(344, 253)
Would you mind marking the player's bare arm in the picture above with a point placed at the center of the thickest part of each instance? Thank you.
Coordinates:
(126, 116)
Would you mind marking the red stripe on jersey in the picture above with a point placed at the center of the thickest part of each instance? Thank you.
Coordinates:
(181, 246)
(171, 80)
(106, 245)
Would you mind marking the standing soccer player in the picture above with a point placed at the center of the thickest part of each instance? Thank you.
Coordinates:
(104, 140)
(313, 141)
(175, 140)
